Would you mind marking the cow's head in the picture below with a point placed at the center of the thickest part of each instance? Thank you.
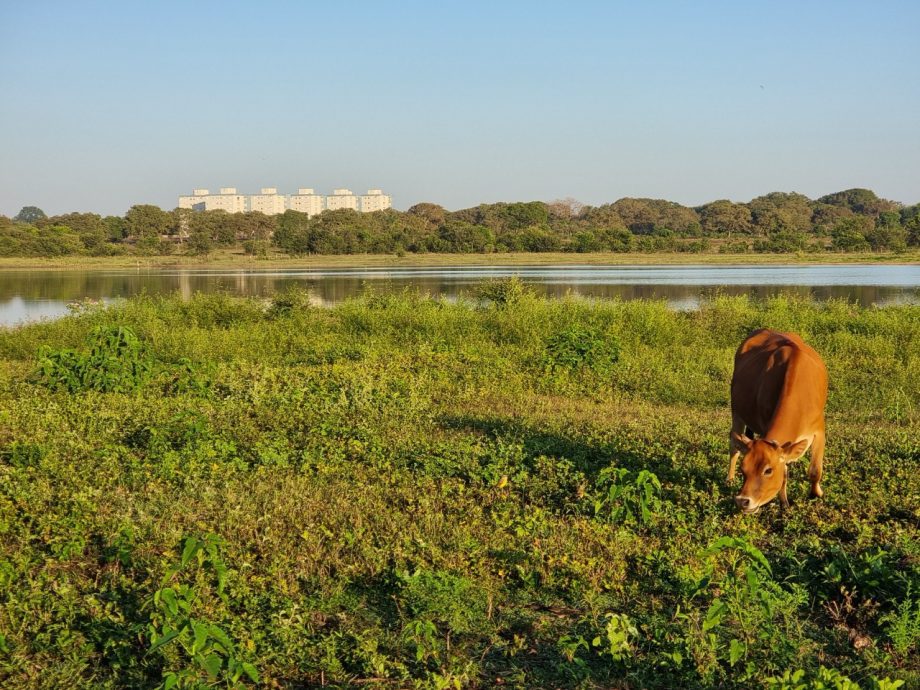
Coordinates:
(764, 470)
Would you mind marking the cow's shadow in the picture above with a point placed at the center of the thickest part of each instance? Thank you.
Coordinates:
(590, 456)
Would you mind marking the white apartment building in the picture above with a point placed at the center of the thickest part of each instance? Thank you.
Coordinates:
(228, 200)
(306, 201)
(374, 200)
(341, 198)
(195, 201)
(269, 202)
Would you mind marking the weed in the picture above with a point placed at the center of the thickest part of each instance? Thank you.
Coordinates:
(903, 625)
(626, 496)
(826, 679)
(210, 655)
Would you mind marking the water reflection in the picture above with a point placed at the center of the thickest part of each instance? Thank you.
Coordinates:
(30, 295)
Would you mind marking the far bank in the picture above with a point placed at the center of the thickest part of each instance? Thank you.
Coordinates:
(236, 258)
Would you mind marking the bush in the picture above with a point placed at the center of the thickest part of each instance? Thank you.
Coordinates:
(578, 346)
(117, 362)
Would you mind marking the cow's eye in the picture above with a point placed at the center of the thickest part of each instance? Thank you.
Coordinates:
(768, 471)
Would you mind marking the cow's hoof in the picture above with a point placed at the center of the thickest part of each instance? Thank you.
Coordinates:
(816, 492)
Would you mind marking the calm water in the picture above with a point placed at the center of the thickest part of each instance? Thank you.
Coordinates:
(30, 295)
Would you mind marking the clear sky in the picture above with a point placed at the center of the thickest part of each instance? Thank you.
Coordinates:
(108, 104)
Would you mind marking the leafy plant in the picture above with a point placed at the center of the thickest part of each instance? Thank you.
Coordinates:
(211, 656)
(627, 497)
(504, 292)
(117, 362)
(616, 641)
(579, 346)
(745, 619)
(826, 679)
(903, 625)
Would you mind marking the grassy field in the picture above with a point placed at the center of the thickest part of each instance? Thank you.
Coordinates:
(236, 258)
(405, 492)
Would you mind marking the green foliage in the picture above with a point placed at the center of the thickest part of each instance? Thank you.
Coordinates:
(206, 653)
(29, 214)
(405, 495)
(826, 679)
(576, 346)
(747, 623)
(850, 234)
(627, 497)
(903, 625)
(619, 631)
(117, 361)
(444, 599)
(505, 292)
(50, 240)
(778, 222)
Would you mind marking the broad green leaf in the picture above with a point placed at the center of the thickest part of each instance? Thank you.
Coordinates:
(736, 650)
(201, 637)
(251, 671)
(222, 637)
(192, 545)
(211, 664)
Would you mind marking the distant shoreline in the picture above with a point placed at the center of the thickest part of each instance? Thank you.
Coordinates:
(236, 259)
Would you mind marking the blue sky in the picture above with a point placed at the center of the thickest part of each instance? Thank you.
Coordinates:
(105, 105)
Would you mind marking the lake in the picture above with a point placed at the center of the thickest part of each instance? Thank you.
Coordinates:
(32, 295)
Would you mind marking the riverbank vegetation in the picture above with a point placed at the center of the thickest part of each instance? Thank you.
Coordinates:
(236, 258)
(403, 491)
(854, 220)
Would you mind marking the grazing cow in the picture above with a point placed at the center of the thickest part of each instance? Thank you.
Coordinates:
(779, 388)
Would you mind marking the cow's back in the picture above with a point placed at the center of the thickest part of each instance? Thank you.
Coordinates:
(768, 364)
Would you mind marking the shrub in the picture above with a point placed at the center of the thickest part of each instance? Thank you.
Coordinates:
(117, 362)
(578, 346)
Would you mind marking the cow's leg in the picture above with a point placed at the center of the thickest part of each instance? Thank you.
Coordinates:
(816, 466)
(734, 450)
(783, 498)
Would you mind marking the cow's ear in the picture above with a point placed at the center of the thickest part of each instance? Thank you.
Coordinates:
(793, 451)
(742, 440)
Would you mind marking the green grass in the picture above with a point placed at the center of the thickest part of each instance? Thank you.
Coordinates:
(402, 491)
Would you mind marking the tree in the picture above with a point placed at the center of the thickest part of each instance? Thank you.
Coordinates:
(638, 214)
(642, 216)
(146, 221)
(565, 208)
(460, 236)
(115, 227)
(779, 211)
(604, 216)
(433, 214)
(179, 222)
(825, 216)
(29, 214)
(255, 226)
(519, 216)
(849, 235)
(291, 232)
(725, 218)
(89, 226)
(861, 201)
(913, 231)
(888, 233)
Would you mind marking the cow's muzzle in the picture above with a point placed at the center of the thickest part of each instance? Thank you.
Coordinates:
(746, 504)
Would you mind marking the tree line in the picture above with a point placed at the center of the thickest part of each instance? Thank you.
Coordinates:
(851, 220)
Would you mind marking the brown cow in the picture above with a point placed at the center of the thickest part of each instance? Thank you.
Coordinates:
(779, 389)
